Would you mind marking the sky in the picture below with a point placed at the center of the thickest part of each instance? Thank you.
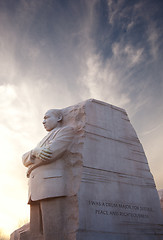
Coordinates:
(54, 54)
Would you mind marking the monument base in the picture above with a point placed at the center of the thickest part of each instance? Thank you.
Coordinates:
(118, 199)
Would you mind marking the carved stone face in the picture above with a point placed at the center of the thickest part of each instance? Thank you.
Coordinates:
(50, 121)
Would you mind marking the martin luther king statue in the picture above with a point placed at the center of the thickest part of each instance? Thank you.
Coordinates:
(54, 172)
(89, 179)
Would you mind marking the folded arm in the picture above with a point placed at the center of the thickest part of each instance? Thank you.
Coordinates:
(51, 152)
(58, 145)
(28, 159)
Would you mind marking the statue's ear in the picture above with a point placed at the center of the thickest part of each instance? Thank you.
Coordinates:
(60, 118)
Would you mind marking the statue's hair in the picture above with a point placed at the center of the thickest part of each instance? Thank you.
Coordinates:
(73, 115)
(56, 112)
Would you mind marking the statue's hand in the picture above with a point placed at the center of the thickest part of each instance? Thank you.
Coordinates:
(45, 155)
(36, 152)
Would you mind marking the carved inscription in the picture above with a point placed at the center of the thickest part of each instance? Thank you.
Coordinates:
(120, 209)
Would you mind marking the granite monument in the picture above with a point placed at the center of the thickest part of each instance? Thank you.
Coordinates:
(89, 179)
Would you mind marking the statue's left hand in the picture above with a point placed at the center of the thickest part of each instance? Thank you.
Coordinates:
(45, 155)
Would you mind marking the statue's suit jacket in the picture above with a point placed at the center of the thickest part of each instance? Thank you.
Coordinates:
(47, 180)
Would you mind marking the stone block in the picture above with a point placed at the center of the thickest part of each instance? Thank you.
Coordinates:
(117, 197)
(105, 172)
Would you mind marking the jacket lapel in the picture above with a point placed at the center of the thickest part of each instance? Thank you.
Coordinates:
(50, 135)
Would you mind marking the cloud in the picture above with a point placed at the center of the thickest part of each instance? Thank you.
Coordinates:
(56, 56)
(115, 8)
(102, 81)
(152, 130)
(153, 38)
(45, 66)
(130, 55)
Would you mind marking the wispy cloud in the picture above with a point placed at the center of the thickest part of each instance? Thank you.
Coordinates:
(153, 38)
(126, 54)
(155, 128)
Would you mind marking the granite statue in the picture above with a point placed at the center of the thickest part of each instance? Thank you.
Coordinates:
(53, 184)
(89, 179)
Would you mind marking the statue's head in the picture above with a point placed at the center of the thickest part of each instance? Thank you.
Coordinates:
(52, 119)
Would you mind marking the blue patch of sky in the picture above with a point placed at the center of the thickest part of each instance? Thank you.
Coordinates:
(9, 6)
(101, 29)
(54, 21)
(105, 34)
(53, 28)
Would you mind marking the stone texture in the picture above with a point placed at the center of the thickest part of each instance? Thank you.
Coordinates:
(117, 197)
(16, 234)
(54, 172)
